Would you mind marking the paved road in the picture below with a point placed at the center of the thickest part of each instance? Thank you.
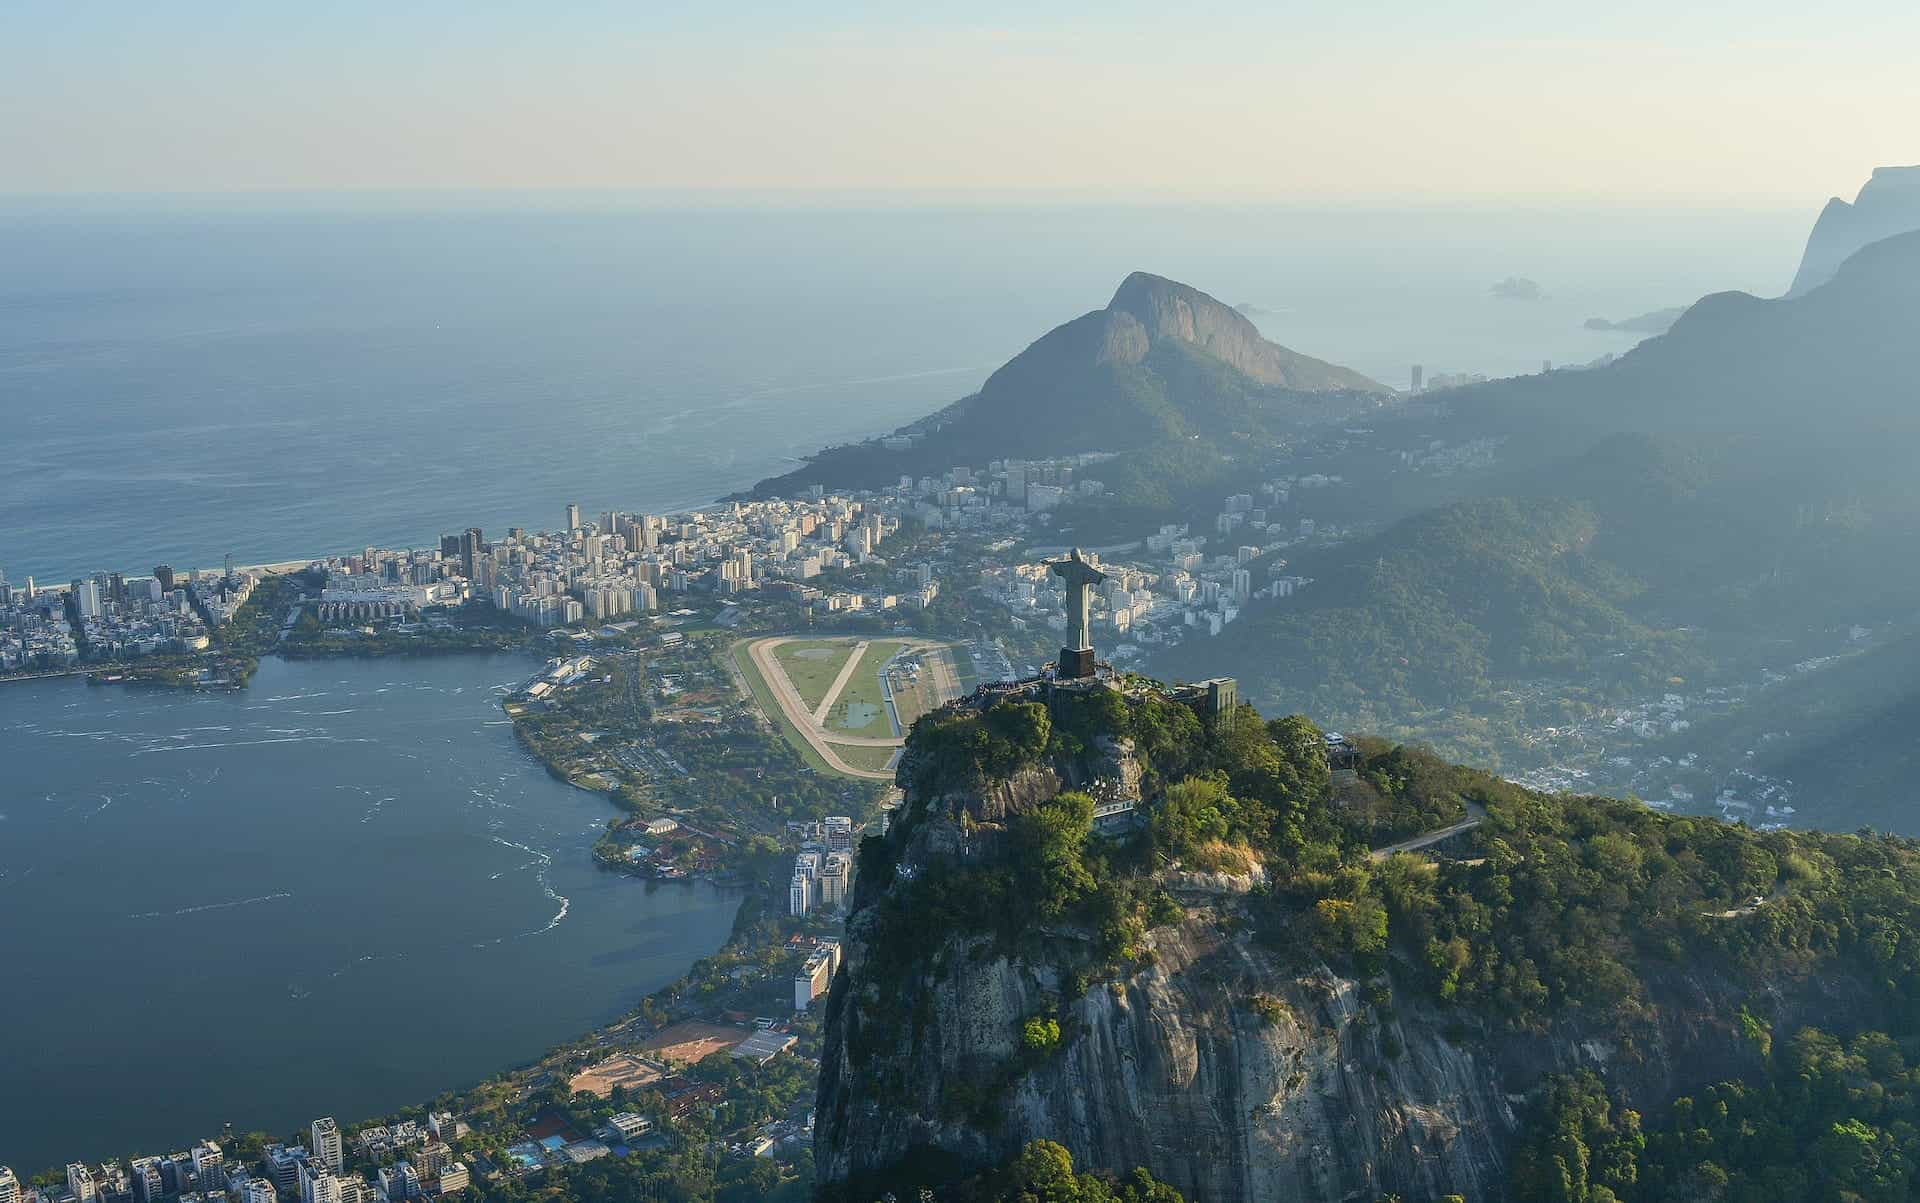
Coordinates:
(1476, 815)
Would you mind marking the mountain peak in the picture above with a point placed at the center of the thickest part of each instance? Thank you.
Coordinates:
(1169, 310)
(1160, 363)
(1887, 204)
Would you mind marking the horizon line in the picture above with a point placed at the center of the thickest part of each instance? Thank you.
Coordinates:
(614, 199)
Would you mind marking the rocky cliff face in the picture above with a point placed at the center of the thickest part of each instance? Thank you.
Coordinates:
(1173, 1068)
(1888, 204)
(1221, 1068)
(1147, 309)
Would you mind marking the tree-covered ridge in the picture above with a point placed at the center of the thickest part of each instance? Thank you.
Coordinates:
(1831, 1119)
(1558, 903)
(1437, 612)
(1562, 905)
(1545, 914)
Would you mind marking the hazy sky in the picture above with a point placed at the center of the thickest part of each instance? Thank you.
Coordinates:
(1763, 103)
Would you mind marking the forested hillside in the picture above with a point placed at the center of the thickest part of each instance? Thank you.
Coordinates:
(1675, 968)
(1425, 622)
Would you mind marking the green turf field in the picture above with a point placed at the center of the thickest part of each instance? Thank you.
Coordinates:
(763, 696)
(871, 759)
(812, 664)
(861, 708)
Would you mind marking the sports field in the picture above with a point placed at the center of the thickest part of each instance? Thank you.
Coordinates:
(690, 1041)
(861, 707)
(769, 703)
(813, 665)
(621, 1070)
(872, 760)
(831, 705)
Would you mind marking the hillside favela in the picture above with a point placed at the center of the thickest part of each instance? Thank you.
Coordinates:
(877, 605)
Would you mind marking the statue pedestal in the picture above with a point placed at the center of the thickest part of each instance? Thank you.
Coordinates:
(1075, 663)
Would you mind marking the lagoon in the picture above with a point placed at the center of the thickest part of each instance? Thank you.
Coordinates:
(340, 891)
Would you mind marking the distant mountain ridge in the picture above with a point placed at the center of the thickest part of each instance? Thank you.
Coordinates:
(1887, 204)
(1747, 474)
(1657, 321)
(1162, 359)
(1824, 362)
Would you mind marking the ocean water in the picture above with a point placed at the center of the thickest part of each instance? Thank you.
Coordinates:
(177, 384)
(341, 891)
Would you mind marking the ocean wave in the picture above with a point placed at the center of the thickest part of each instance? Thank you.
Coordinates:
(542, 857)
(545, 862)
(209, 906)
(560, 916)
(248, 743)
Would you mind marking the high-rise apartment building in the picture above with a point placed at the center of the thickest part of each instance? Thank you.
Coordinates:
(326, 1137)
(317, 1183)
(835, 876)
(283, 1166)
(838, 830)
(86, 598)
(209, 1168)
(148, 1185)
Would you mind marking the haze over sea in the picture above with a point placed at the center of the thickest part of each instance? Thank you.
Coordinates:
(180, 381)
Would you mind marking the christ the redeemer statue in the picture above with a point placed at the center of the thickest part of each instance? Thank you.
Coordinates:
(1076, 658)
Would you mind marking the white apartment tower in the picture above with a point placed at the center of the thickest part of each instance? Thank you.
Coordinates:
(326, 1143)
(80, 1183)
(317, 1183)
(209, 1168)
(9, 1186)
